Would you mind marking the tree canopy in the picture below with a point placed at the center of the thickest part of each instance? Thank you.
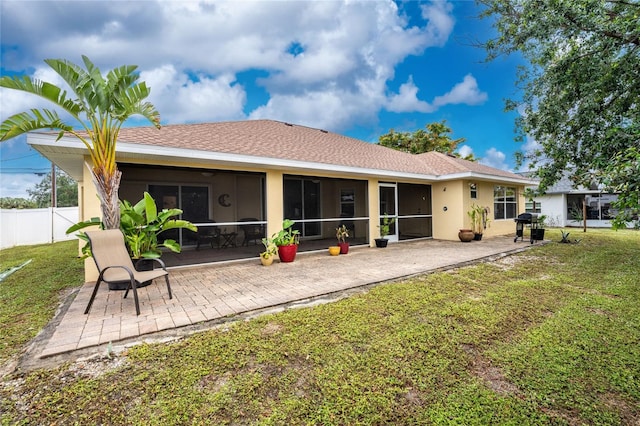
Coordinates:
(580, 89)
(101, 107)
(435, 138)
(66, 191)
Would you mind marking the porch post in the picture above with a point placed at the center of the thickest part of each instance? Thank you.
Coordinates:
(374, 210)
(274, 198)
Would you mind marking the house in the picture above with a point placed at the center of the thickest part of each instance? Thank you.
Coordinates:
(562, 204)
(262, 171)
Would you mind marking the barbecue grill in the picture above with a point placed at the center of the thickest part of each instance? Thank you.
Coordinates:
(530, 219)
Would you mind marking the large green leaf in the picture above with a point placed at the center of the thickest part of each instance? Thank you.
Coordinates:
(172, 245)
(150, 208)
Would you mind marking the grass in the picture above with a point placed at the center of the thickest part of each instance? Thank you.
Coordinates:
(30, 296)
(551, 336)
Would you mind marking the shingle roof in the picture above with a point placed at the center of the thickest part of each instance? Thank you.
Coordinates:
(275, 139)
(443, 164)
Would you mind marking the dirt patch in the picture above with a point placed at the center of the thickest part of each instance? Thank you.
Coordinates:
(492, 376)
(509, 262)
(271, 328)
(629, 412)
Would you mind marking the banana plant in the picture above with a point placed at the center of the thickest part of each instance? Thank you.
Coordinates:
(142, 223)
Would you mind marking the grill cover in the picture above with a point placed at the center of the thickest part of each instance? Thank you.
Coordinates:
(527, 218)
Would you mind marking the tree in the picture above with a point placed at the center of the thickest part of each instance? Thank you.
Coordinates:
(435, 138)
(101, 108)
(580, 86)
(16, 203)
(66, 191)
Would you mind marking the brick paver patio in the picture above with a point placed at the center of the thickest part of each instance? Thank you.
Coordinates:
(206, 294)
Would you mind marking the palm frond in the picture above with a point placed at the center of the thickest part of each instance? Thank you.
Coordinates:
(45, 90)
(24, 122)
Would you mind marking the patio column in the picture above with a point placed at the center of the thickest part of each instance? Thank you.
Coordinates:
(374, 210)
(274, 188)
(88, 207)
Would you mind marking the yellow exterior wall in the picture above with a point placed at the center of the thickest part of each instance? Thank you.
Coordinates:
(454, 195)
(274, 188)
(447, 224)
(89, 207)
(374, 210)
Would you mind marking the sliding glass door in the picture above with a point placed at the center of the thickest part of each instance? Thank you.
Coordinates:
(302, 204)
(192, 200)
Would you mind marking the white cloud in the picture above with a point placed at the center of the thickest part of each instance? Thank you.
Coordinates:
(441, 22)
(15, 185)
(465, 150)
(466, 92)
(181, 98)
(407, 100)
(494, 158)
(194, 54)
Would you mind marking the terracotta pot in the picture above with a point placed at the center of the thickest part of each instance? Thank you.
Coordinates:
(344, 248)
(266, 261)
(465, 235)
(334, 250)
(287, 253)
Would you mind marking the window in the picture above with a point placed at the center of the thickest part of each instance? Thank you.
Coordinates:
(473, 190)
(504, 202)
(533, 207)
(347, 203)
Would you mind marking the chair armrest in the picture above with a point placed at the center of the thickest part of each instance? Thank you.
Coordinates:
(156, 260)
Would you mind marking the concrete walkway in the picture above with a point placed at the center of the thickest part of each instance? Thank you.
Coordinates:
(205, 296)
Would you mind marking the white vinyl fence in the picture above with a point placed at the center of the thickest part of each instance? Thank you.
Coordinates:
(20, 227)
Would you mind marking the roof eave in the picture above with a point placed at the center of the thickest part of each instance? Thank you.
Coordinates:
(69, 150)
(485, 177)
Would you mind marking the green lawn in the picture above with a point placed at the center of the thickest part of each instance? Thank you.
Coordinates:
(550, 336)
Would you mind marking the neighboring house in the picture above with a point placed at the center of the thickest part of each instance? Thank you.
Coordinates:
(268, 170)
(563, 205)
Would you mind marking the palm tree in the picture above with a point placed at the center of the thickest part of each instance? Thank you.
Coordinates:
(102, 106)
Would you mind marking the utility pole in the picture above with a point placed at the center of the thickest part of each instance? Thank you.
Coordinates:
(54, 197)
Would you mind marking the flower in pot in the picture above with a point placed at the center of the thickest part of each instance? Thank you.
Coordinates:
(270, 251)
(342, 233)
(287, 240)
(384, 230)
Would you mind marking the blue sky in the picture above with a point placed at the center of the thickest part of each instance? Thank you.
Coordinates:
(355, 68)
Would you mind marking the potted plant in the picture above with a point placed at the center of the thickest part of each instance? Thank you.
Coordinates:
(384, 231)
(537, 233)
(342, 233)
(479, 220)
(287, 240)
(270, 250)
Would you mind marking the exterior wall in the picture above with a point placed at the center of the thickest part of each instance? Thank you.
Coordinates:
(449, 214)
(275, 201)
(374, 211)
(456, 197)
(554, 206)
(89, 207)
(450, 200)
